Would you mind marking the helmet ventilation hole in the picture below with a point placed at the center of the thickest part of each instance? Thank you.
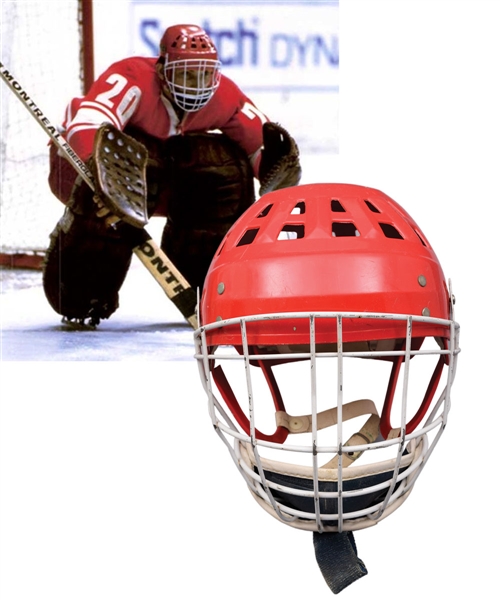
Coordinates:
(291, 232)
(336, 206)
(265, 212)
(372, 207)
(248, 237)
(344, 230)
(390, 231)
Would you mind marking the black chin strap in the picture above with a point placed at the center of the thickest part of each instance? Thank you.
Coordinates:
(338, 560)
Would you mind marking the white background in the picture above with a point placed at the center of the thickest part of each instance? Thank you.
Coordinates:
(113, 484)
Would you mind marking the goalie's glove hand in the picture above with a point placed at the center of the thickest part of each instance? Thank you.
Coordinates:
(279, 165)
(119, 170)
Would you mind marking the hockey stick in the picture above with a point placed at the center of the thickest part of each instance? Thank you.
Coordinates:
(148, 252)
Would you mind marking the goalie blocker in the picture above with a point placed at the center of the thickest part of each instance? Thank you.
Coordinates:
(280, 165)
(201, 182)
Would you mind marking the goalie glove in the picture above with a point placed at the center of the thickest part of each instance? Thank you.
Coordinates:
(280, 165)
(119, 169)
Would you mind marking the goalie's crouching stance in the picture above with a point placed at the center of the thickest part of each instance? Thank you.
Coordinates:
(201, 182)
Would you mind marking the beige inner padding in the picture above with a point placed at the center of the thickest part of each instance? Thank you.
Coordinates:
(327, 418)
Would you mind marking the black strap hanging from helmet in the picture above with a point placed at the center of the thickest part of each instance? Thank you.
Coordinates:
(337, 559)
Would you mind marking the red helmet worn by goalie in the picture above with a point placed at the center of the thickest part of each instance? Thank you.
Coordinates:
(192, 66)
(315, 306)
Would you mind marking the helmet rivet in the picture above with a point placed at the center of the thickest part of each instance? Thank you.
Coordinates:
(426, 312)
(220, 288)
(422, 280)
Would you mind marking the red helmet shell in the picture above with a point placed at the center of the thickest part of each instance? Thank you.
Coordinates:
(180, 42)
(354, 249)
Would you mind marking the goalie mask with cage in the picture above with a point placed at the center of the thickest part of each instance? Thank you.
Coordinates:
(191, 66)
(327, 349)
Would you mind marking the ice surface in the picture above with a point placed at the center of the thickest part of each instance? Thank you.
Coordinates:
(147, 326)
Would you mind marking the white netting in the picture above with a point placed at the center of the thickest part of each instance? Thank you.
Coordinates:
(41, 49)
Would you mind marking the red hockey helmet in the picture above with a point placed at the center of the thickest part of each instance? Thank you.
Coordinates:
(191, 67)
(337, 281)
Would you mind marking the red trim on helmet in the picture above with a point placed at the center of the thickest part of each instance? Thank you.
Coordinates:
(385, 418)
(281, 433)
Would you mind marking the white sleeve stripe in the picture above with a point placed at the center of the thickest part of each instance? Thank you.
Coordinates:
(83, 127)
(69, 113)
(93, 114)
(97, 106)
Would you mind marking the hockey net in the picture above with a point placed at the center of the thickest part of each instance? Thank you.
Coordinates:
(48, 48)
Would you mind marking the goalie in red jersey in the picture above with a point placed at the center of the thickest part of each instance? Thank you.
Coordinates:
(206, 143)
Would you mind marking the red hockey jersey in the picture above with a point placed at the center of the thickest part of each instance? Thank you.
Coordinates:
(129, 93)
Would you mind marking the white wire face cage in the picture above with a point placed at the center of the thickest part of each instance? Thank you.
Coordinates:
(192, 82)
(327, 467)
